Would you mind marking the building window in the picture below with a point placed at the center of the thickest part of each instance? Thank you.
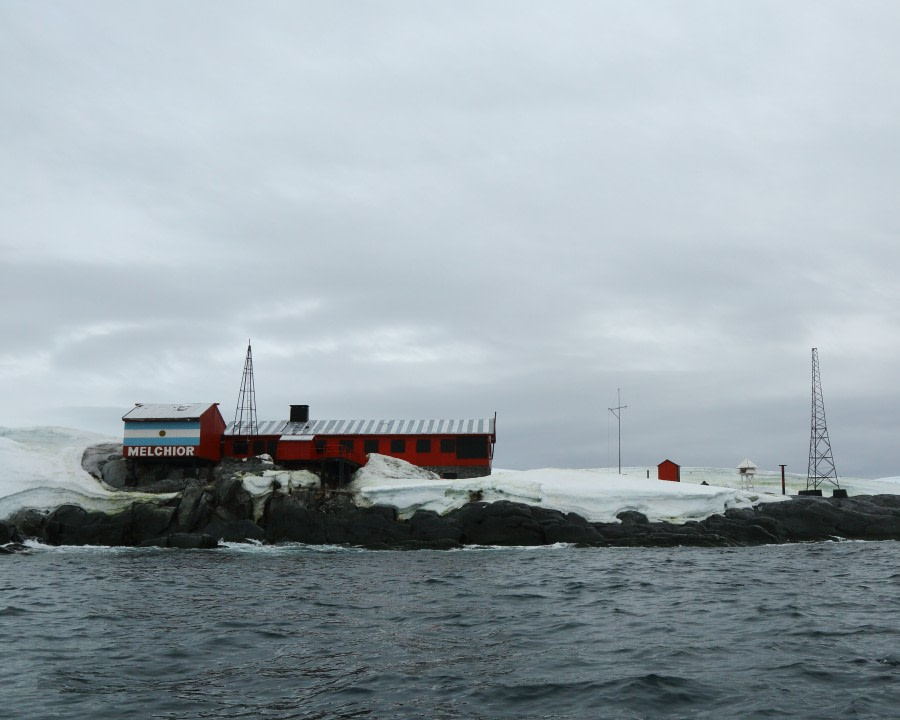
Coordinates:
(448, 445)
(398, 445)
(240, 447)
(472, 447)
(259, 447)
(347, 446)
(423, 445)
(370, 445)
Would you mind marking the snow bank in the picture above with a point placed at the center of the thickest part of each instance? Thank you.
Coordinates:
(40, 468)
(598, 495)
(288, 479)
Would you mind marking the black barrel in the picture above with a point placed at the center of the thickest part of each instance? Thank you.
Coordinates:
(299, 413)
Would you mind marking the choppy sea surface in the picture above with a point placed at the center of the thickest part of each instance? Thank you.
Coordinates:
(799, 631)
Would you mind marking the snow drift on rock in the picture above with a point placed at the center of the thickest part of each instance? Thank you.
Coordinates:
(598, 495)
(40, 468)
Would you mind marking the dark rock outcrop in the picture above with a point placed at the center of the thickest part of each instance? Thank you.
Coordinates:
(212, 504)
(499, 523)
(115, 473)
(426, 526)
(287, 519)
(234, 530)
(858, 518)
(73, 525)
(96, 456)
(10, 534)
(195, 508)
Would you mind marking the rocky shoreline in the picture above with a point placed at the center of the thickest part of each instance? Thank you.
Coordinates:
(206, 510)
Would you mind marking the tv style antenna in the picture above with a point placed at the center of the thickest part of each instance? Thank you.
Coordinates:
(617, 411)
(821, 462)
(245, 413)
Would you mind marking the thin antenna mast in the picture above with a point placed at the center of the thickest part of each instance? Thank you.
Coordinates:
(821, 462)
(245, 413)
(617, 412)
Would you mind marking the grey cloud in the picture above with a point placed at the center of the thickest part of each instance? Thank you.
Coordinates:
(451, 209)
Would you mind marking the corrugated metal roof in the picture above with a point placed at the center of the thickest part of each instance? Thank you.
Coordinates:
(163, 411)
(480, 426)
(291, 430)
(263, 427)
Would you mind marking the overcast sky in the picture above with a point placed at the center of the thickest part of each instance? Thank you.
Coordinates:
(447, 209)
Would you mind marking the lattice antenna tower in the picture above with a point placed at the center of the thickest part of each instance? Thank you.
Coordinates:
(245, 412)
(821, 462)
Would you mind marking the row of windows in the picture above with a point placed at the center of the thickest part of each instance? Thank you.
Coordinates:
(242, 447)
(464, 447)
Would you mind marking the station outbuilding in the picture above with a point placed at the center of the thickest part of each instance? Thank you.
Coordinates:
(174, 432)
(668, 470)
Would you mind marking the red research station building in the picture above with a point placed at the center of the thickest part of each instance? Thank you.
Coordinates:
(451, 448)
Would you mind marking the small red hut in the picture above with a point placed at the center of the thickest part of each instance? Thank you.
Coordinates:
(667, 470)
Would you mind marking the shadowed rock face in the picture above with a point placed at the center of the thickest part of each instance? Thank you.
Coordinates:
(320, 521)
(216, 506)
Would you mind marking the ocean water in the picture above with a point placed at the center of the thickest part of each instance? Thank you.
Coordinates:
(800, 631)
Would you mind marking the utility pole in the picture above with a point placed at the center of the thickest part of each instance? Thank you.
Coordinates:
(617, 412)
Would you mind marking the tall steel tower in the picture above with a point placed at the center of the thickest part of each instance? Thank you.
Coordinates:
(245, 413)
(821, 463)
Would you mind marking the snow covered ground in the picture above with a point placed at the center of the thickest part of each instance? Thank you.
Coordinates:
(597, 494)
(41, 468)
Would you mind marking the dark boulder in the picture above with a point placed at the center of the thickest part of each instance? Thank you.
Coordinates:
(96, 456)
(234, 530)
(367, 527)
(230, 494)
(559, 527)
(616, 533)
(743, 529)
(115, 473)
(427, 526)
(194, 509)
(9, 533)
(287, 519)
(632, 517)
(150, 521)
(163, 485)
(818, 518)
(888, 502)
(29, 522)
(13, 548)
(73, 525)
(192, 541)
(498, 523)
